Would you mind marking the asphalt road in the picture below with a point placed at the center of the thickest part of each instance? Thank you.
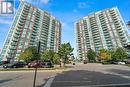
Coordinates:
(24, 78)
(93, 75)
(80, 75)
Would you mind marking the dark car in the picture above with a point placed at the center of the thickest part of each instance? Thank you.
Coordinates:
(127, 62)
(0, 63)
(35, 63)
(48, 64)
(19, 64)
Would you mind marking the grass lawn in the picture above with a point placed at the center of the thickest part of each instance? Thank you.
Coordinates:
(127, 65)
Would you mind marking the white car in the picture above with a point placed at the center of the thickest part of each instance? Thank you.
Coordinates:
(121, 62)
(1, 66)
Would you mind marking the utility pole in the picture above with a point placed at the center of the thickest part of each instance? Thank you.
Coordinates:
(35, 75)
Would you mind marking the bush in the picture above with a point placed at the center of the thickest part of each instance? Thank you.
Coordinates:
(105, 62)
(92, 61)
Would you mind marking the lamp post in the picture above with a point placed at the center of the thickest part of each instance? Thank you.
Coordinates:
(35, 75)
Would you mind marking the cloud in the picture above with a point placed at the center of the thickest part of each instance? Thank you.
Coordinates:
(83, 5)
(45, 1)
(2, 21)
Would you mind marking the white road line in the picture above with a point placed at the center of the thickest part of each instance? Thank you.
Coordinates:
(49, 82)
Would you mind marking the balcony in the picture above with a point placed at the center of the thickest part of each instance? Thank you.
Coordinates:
(26, 9)
(121, 34)
(35, 27)
(34, 34)
(13, 44)
(34, 31)
(12, 48)
(24, 13)
(22, 20)
(32, 40)
(20, 24)
(15, 40)
(95, 34)
(18, 30)
(10, 53)
(16, 35)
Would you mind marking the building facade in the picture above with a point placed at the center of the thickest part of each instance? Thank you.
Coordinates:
(103, 29)
(29, 26)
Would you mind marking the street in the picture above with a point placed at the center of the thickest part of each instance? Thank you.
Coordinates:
(93, 75)
(24, 78)
(79, 75)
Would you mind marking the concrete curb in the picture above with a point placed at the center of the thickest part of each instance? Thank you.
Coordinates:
(37, 70)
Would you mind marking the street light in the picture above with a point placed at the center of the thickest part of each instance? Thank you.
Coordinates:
(35, 75)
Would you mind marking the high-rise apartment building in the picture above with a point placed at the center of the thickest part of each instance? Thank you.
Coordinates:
(29, 26)
(103, 29)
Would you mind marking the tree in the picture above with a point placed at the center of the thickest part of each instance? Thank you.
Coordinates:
(112, 53)
(29, 54)
(50, 55)
(47, 55)
(64, 50)
(120, 54)
(56, 59)
(104, 54)
(91, 55)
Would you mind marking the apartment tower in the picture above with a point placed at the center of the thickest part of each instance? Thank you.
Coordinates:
(29, 26)
(103, 29)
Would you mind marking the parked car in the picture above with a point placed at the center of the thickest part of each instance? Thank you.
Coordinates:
(128, 62)
(48, 64)
(121, 62)
(113, 62)
(35, 63)
(0, 63)
(19, 64)
(3, 63)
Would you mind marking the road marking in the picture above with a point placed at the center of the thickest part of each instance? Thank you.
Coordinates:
(49, 82)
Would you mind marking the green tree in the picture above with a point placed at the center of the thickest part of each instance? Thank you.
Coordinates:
(65, 50)
(91, 55)
(29, 54)
(112, 53)
(104, 54)
(47, 55)
(56, 59)
(120, 54)
(50, 55)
